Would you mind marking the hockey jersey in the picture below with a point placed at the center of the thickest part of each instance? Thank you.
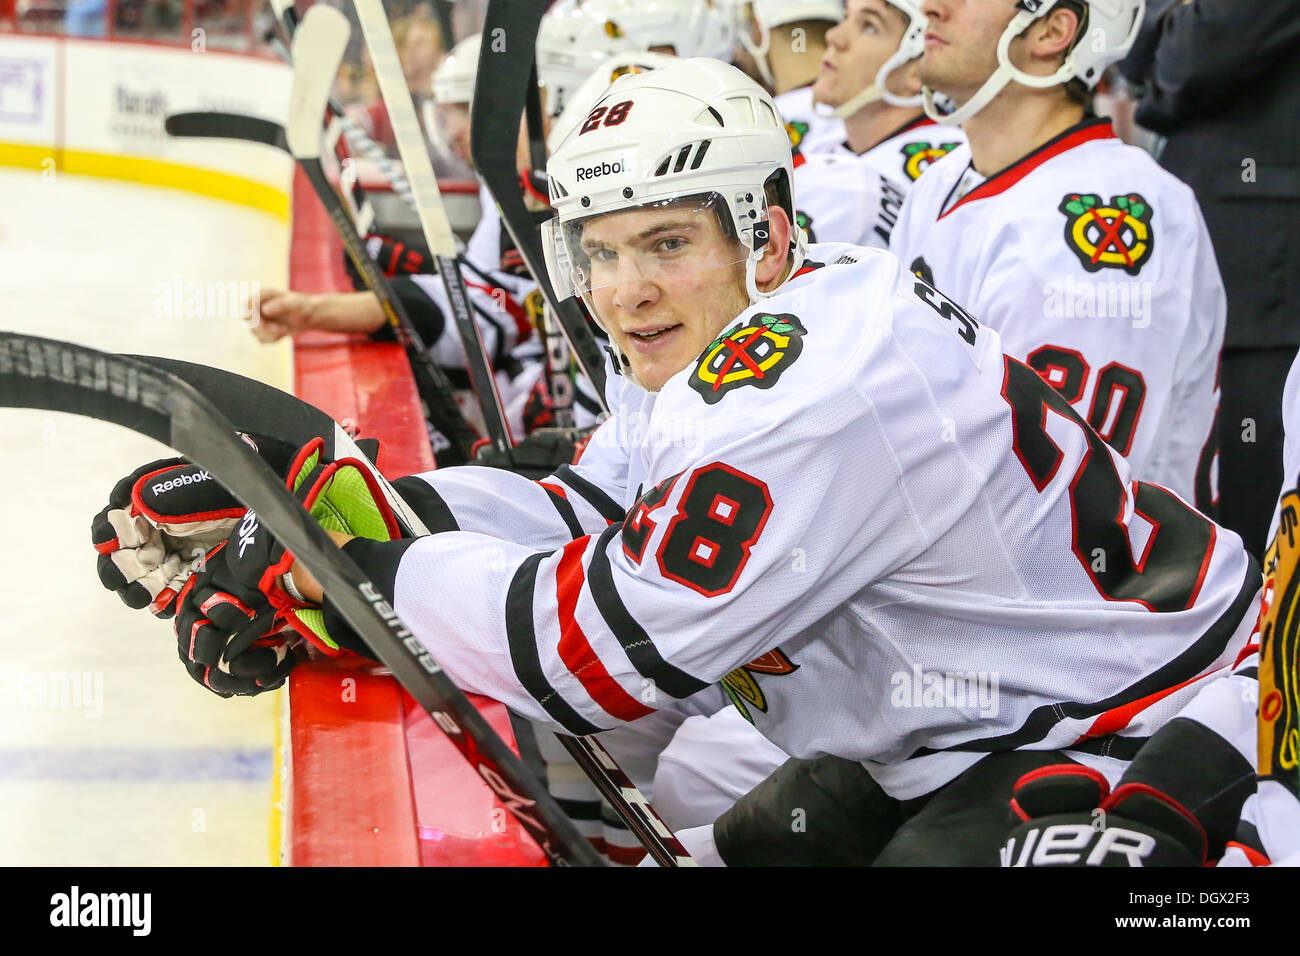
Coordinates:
(843, 196)
(1096, 268)
(810, 132)
(856, 513)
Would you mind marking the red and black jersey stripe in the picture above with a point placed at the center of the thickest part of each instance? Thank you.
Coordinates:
(521, 637)
(640, 649)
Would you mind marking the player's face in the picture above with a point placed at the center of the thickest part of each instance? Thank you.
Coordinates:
(961, 42)
(856, 48)
(664, 283)
(454, 118)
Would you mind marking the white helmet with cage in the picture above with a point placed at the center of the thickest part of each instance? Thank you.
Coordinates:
(1105, 35)
(910, 47)
(697, 133)
(453, 80)
(572, 42)
(766, 15)
(690, 27)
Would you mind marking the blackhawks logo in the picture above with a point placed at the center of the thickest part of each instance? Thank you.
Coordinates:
(918, 156)
(1116, 235)
(1279, 652)
(754, 354)
(796, 130)
(745, 692)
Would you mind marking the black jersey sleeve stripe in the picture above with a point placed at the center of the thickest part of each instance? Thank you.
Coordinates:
(640, 649)
(605, 506)
(1182, 668)
(522, 639)
(427, 503)
(566, 512)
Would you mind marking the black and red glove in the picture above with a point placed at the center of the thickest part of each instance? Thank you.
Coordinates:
(161, 523)
(1071, 818)
(240, 619)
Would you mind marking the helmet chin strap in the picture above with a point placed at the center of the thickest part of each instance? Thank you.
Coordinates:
(1004, 74)
(759, 52)
(877, 90)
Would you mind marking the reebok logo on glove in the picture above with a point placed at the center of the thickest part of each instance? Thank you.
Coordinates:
(247, 529)
(185, 479)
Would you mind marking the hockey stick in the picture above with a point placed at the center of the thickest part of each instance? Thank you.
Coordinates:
(318, 49)
(58, 376)
(500, 94)
(433, 219)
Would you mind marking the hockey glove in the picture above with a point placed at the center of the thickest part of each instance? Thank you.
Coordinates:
(540, 453)
(241, 604)
(160, 524)
(1072, 819)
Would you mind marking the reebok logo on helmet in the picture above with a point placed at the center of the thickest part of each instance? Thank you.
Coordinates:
(600, 169)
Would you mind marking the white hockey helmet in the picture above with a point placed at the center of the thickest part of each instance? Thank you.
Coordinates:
(910, 47)
(572, 42)
(581, 100)
(453, 80)
(769, 14)
(691, 27)
(696, 129)
(1106, 34)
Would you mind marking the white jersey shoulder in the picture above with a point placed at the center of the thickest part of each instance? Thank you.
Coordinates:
(1096, 267)
(811, 132)
(842, 196)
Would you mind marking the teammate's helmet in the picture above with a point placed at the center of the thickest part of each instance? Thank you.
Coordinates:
(453, 80)
(580, 101)
(769, 14)
(1107, 32)
(695, 130)
(572, 42)
(910, 47)
(690, 27)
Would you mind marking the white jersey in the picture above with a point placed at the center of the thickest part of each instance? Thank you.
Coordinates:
(810, 132)
(843, 196)
(854, 512)
(1096, 268)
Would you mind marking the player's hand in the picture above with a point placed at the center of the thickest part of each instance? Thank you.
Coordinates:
(239, 615)
(161, 523)
(1070, 818)
(229, 637)
(282, 313)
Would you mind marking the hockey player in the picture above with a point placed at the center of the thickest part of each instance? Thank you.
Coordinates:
(780, 44)
(822, 479)
(854, 193)
(1093, 264)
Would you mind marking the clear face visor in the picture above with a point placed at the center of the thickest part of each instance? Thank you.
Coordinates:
(448, 127)
(674, 242)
